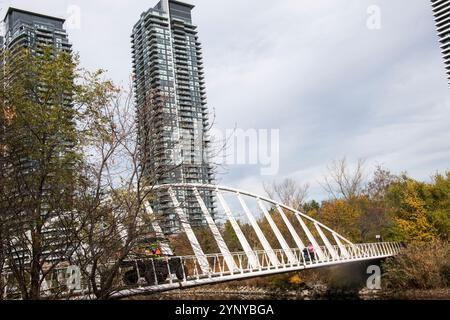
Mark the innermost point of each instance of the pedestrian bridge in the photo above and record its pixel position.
(293, 230)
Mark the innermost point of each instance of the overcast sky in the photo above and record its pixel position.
(311, 68)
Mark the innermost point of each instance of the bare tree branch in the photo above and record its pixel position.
(341, 182)
(288, 192)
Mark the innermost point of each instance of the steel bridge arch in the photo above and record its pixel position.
(320, 227)
(250, 194)
(206, 269)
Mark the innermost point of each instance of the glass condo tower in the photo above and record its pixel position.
(172, 113)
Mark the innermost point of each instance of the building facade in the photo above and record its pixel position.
(171, 105)
(29, 29)
(441, 12)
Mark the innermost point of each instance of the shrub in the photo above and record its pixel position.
(445, 274)
(422, 265)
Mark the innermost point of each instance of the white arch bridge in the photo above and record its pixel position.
(299, 230)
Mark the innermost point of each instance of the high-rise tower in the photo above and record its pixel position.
(35, 33)
(171, 107)
(29, 29)
(441, 11)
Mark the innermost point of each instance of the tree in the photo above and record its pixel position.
(341, 216)
(420, 210)
(341, 182)
(289, 192)
(38, 156)
(375, 219)
(231, 238)
(116, 187)
(73, 184)
(311, 206)
(438, 203)
(377, 188)
(409, 212)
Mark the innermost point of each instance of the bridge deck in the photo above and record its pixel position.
(218, 273)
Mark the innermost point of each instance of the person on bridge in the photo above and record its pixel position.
(156, 251)
(311, 251)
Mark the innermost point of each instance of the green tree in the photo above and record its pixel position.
(341, 216)
(44, 98)
(375, 219)
(230, 237)
(438, 204)
(412, 209)
(39, 154)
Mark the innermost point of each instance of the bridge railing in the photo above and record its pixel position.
(263, 260)
(259, 262)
